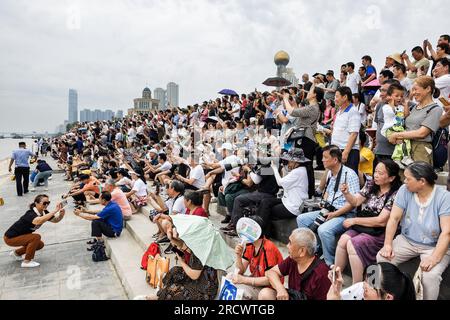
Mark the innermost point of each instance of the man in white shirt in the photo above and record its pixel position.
(236, 108)
(353, 78)
(346, 128)
(442, 77)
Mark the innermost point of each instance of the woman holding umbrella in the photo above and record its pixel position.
(196, 278)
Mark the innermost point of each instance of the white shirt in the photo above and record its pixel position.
(345, 124)
(140, 187)
(443, 84)
(295, 186)
(389, 118)
(352, 81)
(227, 176)
(237, 110)
(407, 83)
(362, 112)
(177, 207)
(198, 174)
(165, 166)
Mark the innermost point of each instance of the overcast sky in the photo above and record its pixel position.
(110, 50)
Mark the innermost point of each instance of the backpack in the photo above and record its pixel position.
(99, 252)
(152, 250)
(440, 147)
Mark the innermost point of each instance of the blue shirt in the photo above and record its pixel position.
(353, 187)
(112, 215)
(21, 157)
(422, 226)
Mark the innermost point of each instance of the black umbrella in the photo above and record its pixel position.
(277, 82)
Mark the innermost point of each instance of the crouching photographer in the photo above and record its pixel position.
(295, 186)
(328, 222)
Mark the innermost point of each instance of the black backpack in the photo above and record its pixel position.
(99, 252)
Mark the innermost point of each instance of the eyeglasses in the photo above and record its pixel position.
(46, 203)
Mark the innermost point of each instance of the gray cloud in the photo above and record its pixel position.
(204, 46)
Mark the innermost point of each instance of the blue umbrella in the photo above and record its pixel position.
(228, 92)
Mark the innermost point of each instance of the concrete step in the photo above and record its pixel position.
(126, 256)
(141, 229)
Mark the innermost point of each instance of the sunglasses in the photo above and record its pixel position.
(46, 203)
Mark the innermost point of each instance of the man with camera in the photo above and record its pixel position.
(328, 222)
(246, 204)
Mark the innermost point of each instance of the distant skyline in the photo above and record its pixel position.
(109, 51)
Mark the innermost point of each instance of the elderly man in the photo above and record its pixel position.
(118, 196)
(308, 275)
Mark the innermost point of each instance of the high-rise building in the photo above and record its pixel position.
(290, 75)
(73, 106)
(87, 115)
(119, 114)
(160, 94)
(173, 94)
(108, 115)
(84, 115)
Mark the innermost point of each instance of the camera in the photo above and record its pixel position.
(326, 209)
(231, 166)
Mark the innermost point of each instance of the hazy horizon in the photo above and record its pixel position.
(109, 52)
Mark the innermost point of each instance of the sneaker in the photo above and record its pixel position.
(93, 241)
(31, 264)
(46, 189)
(15, 256)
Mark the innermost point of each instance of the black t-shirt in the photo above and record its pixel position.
(268, 185)
(24, 225)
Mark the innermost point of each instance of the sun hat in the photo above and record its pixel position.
(295, 155)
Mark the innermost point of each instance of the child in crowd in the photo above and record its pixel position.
(394, 114)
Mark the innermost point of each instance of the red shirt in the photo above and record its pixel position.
(316, 286)
(198, 212)
(267, 257)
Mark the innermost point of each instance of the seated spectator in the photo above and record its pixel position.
(118, 196)
(365, 237)
(174, 205)
(393, 285)
(193, 201)
(124, 181)
(44, 171)
(162, 168)
(260, 256)
(424, 212)
(295, 186)
(308, 275)
(266, 188)
(88, 187)
(328, 223)
(138, 196)
(108, 222)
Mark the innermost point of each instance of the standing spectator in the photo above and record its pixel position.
(400, 75)
(422, 122)
(361, 107)
(332, 86)
(383, 148)
(371, 74)
(441, 74)
(21, 157)
(420, 65)
(308, 275)
(306, 83)
(44, 171)
(346, 128)
(353, 78)
(424, 212)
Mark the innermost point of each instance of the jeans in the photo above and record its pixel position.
(328, 232)
(22, 172)
(42, 175)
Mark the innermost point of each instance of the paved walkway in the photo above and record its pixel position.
(67, 270)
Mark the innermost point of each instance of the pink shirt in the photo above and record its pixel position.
(120, 198)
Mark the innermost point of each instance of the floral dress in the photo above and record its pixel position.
(178, 285)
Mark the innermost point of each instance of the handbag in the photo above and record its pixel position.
(157, 269)
(373, 231)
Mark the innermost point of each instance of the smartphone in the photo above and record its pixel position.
(444, 101)
(178, 251)
(333, 277)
